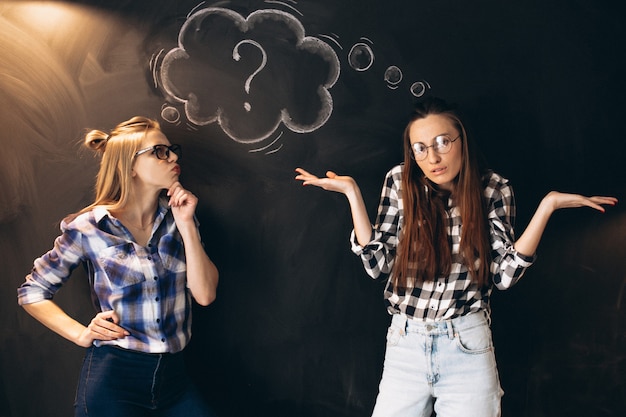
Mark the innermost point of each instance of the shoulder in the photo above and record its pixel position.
(394, 175)
(497, 190)
(495, 183)
(84, 221)
(396, 170)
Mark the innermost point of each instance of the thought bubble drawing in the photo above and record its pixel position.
(361, 56)
(393, 76)
(170, 114)
(418, 88)
(250, 75)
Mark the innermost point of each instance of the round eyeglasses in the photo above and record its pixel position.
(161, 151)
(442, 144)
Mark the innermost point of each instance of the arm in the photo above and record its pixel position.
(347, 186)
(49, 273)
(202, 274)
(102, 327)
(529, 241)
(375, 245)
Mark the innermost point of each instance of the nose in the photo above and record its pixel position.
(433, 156)
(173, 157)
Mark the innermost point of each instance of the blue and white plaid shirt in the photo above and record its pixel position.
(146, 286)
(454, 295)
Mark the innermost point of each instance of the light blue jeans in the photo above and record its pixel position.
(448, 365)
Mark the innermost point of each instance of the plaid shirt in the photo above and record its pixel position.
(454, 295)
(146, 286)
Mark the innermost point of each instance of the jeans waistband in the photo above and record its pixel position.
(121, 352)
(441, 327)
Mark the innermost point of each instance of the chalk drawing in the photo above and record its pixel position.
(237, 57)
(418, 88)
(219, 53)
(361, 56)
(393, 76)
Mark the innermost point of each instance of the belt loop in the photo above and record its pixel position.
(450, 329)
(405, 324)
(488, 316)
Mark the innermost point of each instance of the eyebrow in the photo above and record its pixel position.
(436, 136)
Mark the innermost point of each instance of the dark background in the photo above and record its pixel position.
(298, 329)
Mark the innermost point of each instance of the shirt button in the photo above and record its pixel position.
(156, 278)
(149, 258)
(156, 299)
(158, 320)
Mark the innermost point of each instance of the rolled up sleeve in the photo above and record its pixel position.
(52, 270)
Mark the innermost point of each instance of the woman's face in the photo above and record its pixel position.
(154, 172)
(440, 168)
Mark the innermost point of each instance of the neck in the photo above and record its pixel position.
(139, 213)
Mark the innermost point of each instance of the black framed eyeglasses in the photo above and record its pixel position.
(161, 151)
(442, 144)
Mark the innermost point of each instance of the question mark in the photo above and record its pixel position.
(237, 57)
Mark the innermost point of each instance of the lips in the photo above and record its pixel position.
(438, 171)
(176, 169)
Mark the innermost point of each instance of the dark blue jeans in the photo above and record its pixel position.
(120, 383)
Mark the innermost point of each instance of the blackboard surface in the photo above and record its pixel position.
(254, 89)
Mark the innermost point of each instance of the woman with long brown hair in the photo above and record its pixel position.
(140, 244)
(443, 239)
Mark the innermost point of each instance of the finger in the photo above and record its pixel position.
(598, 202)
(595, 204)
(101, 332)
(179, 196)
(307, 178)
(331, 174)
(174, 188)
(604, 200)
(108, 320)
(187, 199)
(304, 174)
(109, 315)
(176, 197)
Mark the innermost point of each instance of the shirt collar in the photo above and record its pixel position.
(100, 212)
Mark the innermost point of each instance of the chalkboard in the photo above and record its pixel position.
(254, 89)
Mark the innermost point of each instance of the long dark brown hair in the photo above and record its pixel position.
(424, 250)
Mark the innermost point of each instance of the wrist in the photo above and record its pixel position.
(353, 192)
(548, 204)
(187, 229)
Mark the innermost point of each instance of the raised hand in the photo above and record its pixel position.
(347, 186)
(557, 200)
(529, 240)
(332, 182)
(182, 202)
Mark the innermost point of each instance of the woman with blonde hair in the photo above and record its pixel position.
(443, 239)
(140, 244)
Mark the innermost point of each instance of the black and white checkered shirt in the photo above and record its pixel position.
(453, 295)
